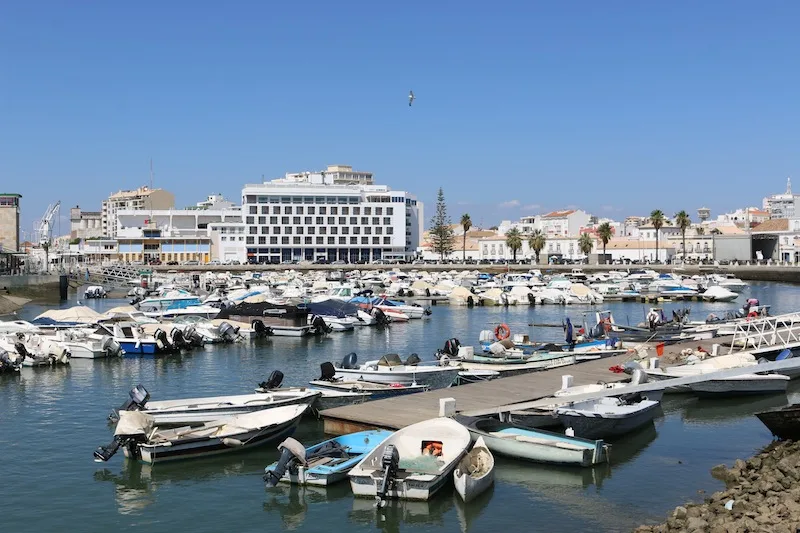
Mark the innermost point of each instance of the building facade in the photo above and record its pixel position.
(85, 224)
(9, 221)
(143, 198)
(782, 205)
(336, 214)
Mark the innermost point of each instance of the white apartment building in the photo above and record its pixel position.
(565, 223)
(227, 241)
(139, 199)
(335, 214)
(172, 234)
(782, 205)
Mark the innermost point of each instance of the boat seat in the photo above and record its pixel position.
(536, 440)
(500, 435)
(319, 461)
(569, 446)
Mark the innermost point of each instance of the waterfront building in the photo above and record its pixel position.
(85, 224)
(9, 221)
(643, 251)
(565, 223)
(335, 214)
(747, 217)
(471, 250)
(143, 198)
(782, 205)
(175, 234)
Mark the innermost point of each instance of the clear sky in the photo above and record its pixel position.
(618, 107)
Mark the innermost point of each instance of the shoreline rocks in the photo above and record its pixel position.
(762, 494)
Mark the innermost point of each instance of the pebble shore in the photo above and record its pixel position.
(762, 494)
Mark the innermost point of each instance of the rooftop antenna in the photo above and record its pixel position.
(150, 220)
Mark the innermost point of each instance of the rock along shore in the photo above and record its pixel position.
(762, 495)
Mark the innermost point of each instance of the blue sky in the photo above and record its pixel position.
(616, 107)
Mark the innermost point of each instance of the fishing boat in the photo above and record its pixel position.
(321, 464)
(391, 369)
(529, 444)
(141, 438)
(475, 472)
(783, 423)
(607, 417)
(412, 464)
(376, 391)
(196, 411)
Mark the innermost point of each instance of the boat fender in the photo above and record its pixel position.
(502, 332)
(232, 443)
(752, 314)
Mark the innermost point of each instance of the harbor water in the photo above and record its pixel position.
(52, 419)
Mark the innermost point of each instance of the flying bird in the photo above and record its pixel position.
(411, 98)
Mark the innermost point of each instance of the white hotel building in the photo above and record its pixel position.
(335, 214)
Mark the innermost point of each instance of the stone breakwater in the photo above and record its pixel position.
(762, 494)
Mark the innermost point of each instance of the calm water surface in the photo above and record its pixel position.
(52, 419)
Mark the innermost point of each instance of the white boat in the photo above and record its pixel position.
(412, 464)
(475, 472)
(390, 369)
(718, 293)
(710, 364)
(94, 291)
(141, 438)
(86, 345)
(195, 411)
(607, 417)
(742, 385)
(639, 377)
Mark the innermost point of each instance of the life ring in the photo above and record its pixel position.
(752, 314)
(502, 332)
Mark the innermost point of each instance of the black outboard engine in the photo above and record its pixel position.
(531, 299)
(389, 462)
(178, 340)
(293, 454)
(261, 330)
(273, 381)
(126, 434)
(380, 317)
(161, 335)
(428, 311)
(138, 398)
(5, 362)
(350, 361)
(228, 332)
(412, 360)
(450, 348)
(22, 351)
(470, 301)
(327, 371)
(320, 327)
(194, 337)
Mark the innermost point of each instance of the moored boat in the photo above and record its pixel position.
(741, 385)
(607, 417)
(783, 423)
(475, 471)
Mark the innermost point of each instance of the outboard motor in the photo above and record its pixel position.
(138, 398)
(638, 377)
(5, 362)
(380, 317)
(193, 337)
(327, 371)
(631, 366)
(273, 381)
(112, 347)
(428, 311)
(350, 361)
(22, 351)
(389, 462)
(178, 340)
(412, 360)
(161, 336)
(228, 332)
(531, 299)
(293, 454)
(129, 431)
(319, 325)
(451, 347)
(470, 301)
(260, 329)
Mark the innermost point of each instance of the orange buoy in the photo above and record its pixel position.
(502, 332)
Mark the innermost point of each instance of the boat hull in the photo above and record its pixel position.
(440, 378)
(783, 423)
(589, 425)
(753, 385)
(470, 486)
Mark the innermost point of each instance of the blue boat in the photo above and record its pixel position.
(134, 342)
(322, 464)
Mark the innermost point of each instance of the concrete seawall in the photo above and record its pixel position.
(35, 286)
(787, 274)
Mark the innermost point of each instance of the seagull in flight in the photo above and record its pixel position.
(411, 98)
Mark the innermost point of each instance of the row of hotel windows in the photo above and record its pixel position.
(300, 210)
(322, 230)
(319, 240)
(321, 220)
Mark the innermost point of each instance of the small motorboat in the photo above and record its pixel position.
(607, 417)
(783, 423)
(391, 369)
(94, 291)
(529, 444)
(475, 472)
(717, 293)
(141, 438)
(638, 377)
(741, 385)
(196, 411)
(328, 380)
(322, 464)
(412, 464)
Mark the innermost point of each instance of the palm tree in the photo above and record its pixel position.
(683, 221)
(657, 219)
(466, 223)
(514, 241)
(536, 241)
(585, 244)
(604, 233)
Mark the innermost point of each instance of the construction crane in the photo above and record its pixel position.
(43, 229)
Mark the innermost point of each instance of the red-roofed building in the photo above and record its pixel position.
(564, 223)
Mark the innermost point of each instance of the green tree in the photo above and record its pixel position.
(657, 219)
(514, 241)
(604, 233)
(536, 241)
(466, 223)
(683, 222)
(441, 233)
(585, 244)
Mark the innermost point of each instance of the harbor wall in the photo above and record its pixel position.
(35, 286)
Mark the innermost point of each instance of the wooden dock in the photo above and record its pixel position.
(395, 413)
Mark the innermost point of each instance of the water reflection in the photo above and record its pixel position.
(468, 513)
(291, 502)
(399, 512)
(713, 411)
